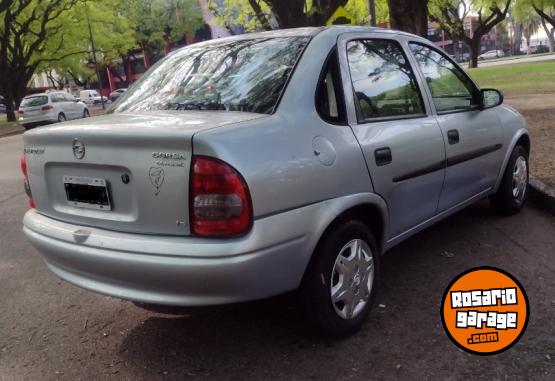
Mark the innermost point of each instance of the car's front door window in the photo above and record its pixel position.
(451, 89)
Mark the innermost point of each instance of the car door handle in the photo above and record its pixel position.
(453, 136)
(383, 156)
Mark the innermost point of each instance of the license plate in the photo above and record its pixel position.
(86, 192)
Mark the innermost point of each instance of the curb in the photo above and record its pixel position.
(11, 129)
(542, 195)
(11, 133)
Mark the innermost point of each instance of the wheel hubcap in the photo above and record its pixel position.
(352, 279)
(520, 178)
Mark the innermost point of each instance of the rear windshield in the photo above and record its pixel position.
(244, 75)
(34, 101)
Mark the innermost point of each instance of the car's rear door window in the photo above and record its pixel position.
(384, 83)
(450, 87)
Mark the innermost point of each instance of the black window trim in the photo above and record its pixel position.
(456, 65)
(360, 119)
(342, 119)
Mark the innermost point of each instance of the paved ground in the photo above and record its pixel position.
(50, 330)
(517, 59)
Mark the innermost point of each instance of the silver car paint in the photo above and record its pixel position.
(302, 174)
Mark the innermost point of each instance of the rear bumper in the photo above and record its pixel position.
(170, 270)
(44, 118)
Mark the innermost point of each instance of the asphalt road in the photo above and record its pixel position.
(51, 330)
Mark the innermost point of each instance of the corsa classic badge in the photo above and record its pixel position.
(78, 149)
(169, 159)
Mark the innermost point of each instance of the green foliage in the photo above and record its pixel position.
(241, 12)
(158, 21)
(359, 9)
(70, 49)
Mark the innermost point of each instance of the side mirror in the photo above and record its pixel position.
(490, 98)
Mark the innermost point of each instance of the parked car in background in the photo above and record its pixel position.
(50, 107)
(490, 54)
(116, 94)
(3, 108)
(463, 57)
(91, 97)
(295, 167)
(536, 49)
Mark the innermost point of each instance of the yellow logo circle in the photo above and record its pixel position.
(485, 310)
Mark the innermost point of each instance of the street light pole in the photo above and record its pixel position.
(372, 8)
(94, 57)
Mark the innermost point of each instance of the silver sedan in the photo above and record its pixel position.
(250, 166)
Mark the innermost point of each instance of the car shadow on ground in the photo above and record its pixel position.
(271, 333)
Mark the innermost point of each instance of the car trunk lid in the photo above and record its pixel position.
(141, 161)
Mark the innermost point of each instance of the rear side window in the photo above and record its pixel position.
(57, 98)
(451, 89)
(329, 96)
(34, 101)
(384, 83)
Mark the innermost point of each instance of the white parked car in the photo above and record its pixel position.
(491, 54)
(51, 107)
(91, 97)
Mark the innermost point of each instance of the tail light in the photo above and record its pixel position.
(20, 112)
(26, 181)
(47, 108)
(220, 200)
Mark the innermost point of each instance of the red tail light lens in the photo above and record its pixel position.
(23, 163)
(26, 184)
(220, 201)
(47, 108)
(20, 112)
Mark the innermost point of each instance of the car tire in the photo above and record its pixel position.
(333, 270)
(512, 193)
(86, 113)
(61, 117)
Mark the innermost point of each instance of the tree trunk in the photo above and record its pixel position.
(550, 35)
(517, 38)
(409, 16)
(10, 113)
(474, 49)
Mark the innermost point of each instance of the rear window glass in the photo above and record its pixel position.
(34, 101)
(237, 75)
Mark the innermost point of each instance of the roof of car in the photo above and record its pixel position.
(38, 94)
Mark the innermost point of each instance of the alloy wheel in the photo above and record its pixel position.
(520, 178)
(352, 279)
